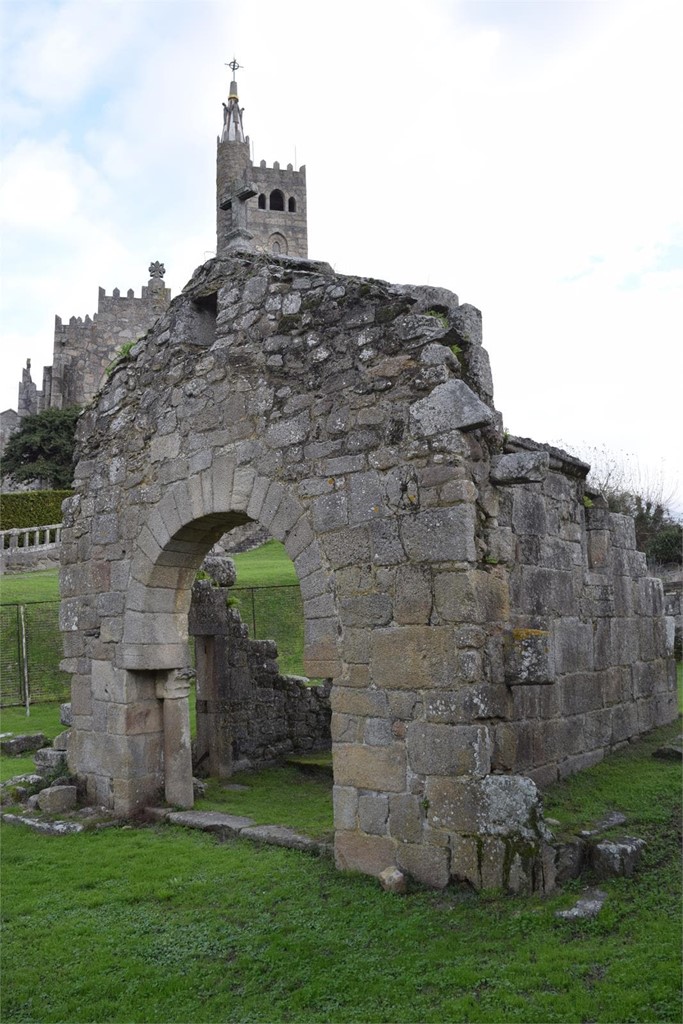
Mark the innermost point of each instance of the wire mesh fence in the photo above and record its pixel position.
(275, 613)
(31, 644)
(30, 653)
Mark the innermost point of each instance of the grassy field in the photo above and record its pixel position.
(266, 566)
(267, 596)
(161, 925)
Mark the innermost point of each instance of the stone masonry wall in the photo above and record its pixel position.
(248, 714)
(479, 622)
(85, 347)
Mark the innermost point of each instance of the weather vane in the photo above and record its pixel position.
(233, 65)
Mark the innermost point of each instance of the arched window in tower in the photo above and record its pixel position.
(277, 200)
(277, 244)
(291, 205)
(262, 201)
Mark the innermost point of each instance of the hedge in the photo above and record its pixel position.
(31, 508)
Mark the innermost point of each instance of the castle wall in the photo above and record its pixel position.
(84, 348)
(483, 625)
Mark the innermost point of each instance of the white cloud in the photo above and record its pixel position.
(523, 155)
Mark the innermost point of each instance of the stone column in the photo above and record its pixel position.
(174, 690)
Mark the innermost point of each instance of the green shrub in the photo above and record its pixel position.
(31, 508)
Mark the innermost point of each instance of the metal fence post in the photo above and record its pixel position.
(23, 660)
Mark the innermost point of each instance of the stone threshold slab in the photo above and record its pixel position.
(233, 825)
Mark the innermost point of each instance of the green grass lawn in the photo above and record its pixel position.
(162, 925)
(272, 610)
(266, 566)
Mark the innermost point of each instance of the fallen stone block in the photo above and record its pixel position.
(57, 799)
(211, 821)
(588, 906)
(47, 828)
(393, 880)
(22, 744)
(615, 858)
(18, 789)
(48, 759)
(65, 714)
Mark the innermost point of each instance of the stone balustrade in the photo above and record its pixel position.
(32, 547)
(31, 537)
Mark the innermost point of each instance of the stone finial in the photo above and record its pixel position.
(157, 270)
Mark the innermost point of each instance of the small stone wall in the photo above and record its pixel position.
(248, 714)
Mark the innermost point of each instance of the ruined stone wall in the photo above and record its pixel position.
(461, 596)
(248, 713)
(586, 660)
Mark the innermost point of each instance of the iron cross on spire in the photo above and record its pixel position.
(233, 65)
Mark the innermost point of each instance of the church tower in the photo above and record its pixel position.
(262, 208)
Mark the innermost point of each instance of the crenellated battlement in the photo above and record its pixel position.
(84, 347)
(299, 175)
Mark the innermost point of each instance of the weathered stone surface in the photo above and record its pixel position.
(57, 799)
(393, 880)
(22, 744)
(570, 860)
(48, 759)
(354, 851)
(529, 656)
(221, 570)
(370, 767)
(448, 749)
(279, 835)
(211, 821)
(440, 535)
(429, 865)
(66, 714)
(413, 657)
(520, 467)
(613, 858)
(61, 741)
(585, 908)
(451, 406)
(46, 828)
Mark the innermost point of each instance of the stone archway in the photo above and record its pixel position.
(468, 607)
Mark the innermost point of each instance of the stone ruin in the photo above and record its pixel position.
(488, 627)
(248, 713)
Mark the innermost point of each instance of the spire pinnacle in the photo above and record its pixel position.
(233, 129)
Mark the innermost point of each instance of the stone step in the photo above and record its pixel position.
(232, 825)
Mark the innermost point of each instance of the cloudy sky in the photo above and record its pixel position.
(525, 154)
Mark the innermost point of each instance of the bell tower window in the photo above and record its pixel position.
(291, 205)
(277, 200)
(262, 201)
